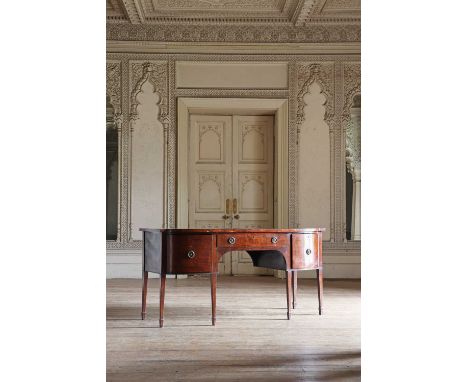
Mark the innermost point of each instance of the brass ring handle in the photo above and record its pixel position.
(191, 254)
(231, 240)
(308, 251)
(274, 239)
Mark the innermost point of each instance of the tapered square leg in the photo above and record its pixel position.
(294, 289)
(289, 292)
(162, 291)
(320, 289)
(213, 298)
(144, 291)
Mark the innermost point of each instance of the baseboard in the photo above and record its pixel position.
(126, 263)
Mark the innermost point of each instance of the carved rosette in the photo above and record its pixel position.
(156, 73)
(114, 89)
(324, 75)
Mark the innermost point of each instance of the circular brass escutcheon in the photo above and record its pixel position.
(191, 254)
(308, 251)
(274, 239)
(231, 240)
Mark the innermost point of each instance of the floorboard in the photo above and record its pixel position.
(252, 340)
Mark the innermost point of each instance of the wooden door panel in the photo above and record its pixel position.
(252, 181)
(210, 174)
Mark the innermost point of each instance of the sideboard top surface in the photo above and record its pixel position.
(233, 231)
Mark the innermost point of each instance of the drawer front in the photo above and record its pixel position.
(253, 240)
(305, 251)
(189, 253)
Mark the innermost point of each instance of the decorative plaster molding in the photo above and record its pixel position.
(321, 33)
(156, 74)
(232, 48)
(113, 85)
(324, 75)
(303, 11)
(133, 10)
(351, 86)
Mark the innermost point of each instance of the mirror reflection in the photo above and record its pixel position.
(112, 181)
(353, 171)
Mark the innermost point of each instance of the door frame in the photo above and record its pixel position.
(231, 106)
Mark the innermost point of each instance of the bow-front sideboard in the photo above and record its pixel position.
(189, 251)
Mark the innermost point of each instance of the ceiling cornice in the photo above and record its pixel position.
(285, 12)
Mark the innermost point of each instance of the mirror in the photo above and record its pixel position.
(353, 171)
(112, 173)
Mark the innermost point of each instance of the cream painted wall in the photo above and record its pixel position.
(147, 164)
(314, 164)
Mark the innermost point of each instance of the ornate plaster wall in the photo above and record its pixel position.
(318, 89)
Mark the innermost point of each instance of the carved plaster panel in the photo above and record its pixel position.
(156, 74)
(324, 75)
(351, 85)
(113, 85)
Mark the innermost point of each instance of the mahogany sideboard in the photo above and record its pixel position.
(189, 251)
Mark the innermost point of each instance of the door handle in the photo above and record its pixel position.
(228, 209)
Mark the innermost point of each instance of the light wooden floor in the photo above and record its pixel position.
(252, 340)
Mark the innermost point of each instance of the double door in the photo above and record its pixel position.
(231, 178)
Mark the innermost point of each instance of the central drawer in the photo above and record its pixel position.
(189, 253)
(252, 240)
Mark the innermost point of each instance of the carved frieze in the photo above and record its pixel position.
(321, 33)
